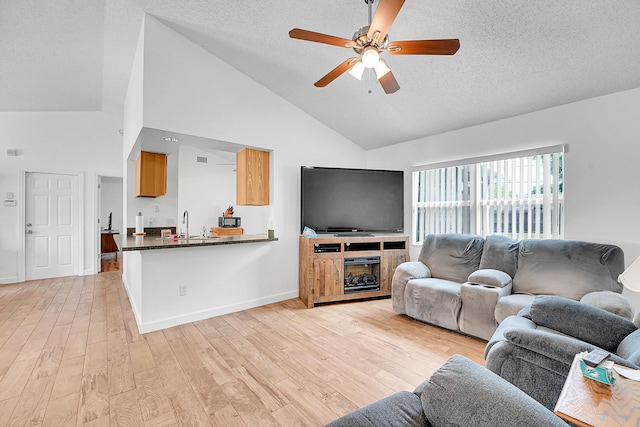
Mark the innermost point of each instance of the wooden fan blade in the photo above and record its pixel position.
(311, 36)
(389, 83)
(386, 13)
(336, 72)
(424, 47)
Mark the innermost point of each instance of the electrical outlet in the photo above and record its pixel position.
(157, 208)
(183, 290)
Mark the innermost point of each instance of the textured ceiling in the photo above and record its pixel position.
(515, 57)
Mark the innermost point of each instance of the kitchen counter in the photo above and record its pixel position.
(196, 279)
(141, 243)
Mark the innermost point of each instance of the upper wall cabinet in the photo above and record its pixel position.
(252, 182)
(151, 174)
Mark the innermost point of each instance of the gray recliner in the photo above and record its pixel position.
(534, 349)
(429, 289)
(459, 393)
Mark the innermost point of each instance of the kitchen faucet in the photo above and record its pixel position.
(185, 220)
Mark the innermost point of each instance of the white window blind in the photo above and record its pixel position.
(519, 197)
(443, 200)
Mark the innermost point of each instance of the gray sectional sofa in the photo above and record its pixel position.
(470, 284)
(460, 393)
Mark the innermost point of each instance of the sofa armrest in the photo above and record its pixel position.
(511, 322)
(582, 321)
(405, 272)
(553, 346)
(490, 277)
(478, 307)
(462, 391)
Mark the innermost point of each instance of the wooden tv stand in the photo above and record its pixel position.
(322, 265)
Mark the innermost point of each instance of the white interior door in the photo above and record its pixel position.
(51, 221)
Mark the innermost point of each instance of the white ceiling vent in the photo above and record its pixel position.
(201, 159)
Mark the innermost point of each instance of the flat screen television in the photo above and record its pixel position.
(345, 201)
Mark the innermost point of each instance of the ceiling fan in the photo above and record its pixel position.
(369, 41)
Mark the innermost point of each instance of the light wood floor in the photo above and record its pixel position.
(111, 262)
(70, 354)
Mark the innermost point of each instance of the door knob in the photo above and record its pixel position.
(29, 225)
(29, 231)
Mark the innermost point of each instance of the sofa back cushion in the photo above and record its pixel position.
(451, 256)
(500, 253)
(567, 268)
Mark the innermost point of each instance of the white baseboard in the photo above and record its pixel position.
(7, 280)
(169, 322)
(134, 308)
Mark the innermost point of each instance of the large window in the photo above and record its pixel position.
(518, 195)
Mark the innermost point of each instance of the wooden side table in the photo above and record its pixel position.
(108, 244)
(586, 402)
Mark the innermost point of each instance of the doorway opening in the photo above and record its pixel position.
(110, 223)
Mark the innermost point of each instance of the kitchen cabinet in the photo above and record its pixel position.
(252, 177)
(151, 174)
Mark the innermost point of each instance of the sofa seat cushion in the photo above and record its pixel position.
(451, 256)
(612, 302)
(567, 268)
(462, 393)
(511, 305)
(435, 301)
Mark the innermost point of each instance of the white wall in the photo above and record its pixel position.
(601, 173)
(71, 142)
(189, 91)
(205, 189)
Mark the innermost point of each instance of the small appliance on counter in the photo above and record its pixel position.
(139, 225)
(229, 221)
(227, 231)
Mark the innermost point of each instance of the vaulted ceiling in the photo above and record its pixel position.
(515, 57)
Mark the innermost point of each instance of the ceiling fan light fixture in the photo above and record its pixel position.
(357, 70)
(369, 41)
(370, 57)
(381, 69)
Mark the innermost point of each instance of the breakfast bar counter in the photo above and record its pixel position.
(141, 243)
(173, 281)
